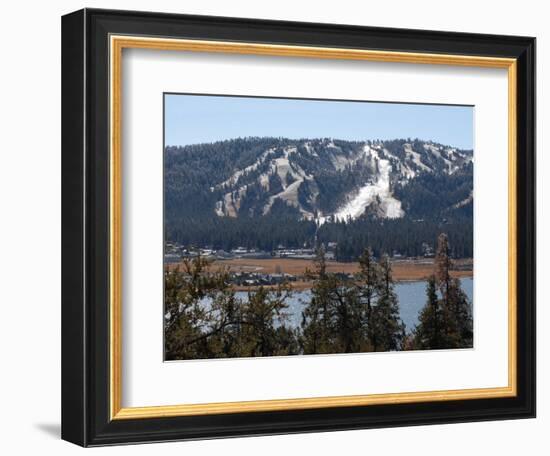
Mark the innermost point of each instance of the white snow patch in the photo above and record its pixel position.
(339, 162)
(310, 150)
(283, 168)
(451, 154)
(219, 209)
(231, 202)
(368, 193)
(415, 157)
(465, 201)
(289, 195)
(230, 205)
(435, 151)
(404, 169)
(234, 179)
(264, 181)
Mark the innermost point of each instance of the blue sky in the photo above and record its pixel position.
(192, 119)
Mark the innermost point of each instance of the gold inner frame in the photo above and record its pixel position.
(117, 44)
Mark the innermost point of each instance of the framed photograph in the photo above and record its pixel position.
(279, 227)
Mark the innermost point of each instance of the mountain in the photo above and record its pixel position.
(314, 183)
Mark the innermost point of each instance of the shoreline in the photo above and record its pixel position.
(404, 270)
(301, 286)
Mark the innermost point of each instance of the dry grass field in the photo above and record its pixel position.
(403, 270)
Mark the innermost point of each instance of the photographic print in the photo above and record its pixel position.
(307, 227)
(258, 201)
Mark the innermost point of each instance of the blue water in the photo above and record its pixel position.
(411, 295)
(412, 298)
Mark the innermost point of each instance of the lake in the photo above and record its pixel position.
(411, 295)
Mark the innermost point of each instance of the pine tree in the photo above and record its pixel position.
(205, 319)
(348, 321)
(443, 266)
(317, 315)
(445, 322)
(386, 327)
(461, 313)
(259, 316)
(334, 320)
(432, 330)
(369, 279)
(189, 325)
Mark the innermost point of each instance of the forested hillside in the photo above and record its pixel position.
(261, 193)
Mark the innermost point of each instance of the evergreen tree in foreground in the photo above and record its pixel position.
(369, 287)
(260, 334)
(351, 316)
(317, 315)
(386, 328)
(205, 319)
(446, 319)
(333, 320)
(431, 331)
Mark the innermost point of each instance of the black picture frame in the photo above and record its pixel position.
(85, 228)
